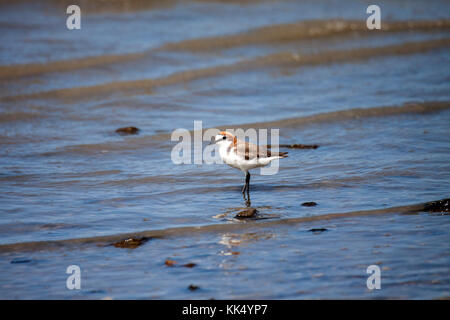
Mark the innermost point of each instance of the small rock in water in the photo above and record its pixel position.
(192, 287)
(127, 130)
(131, 243)
(318, 230)
(189, 265)
(309, 204)
(247, 213)
(437, 206)
(296, 146)
(170, 263)
(301, 146)
(20, 260)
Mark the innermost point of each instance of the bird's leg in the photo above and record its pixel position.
(243, 190)
(247, 187)
(247, 183)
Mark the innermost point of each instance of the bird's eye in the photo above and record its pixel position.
(224, 138)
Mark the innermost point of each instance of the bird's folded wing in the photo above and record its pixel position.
(250, 151)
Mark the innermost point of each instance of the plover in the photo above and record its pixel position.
(244, 156)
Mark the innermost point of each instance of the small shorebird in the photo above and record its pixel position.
(244, 156)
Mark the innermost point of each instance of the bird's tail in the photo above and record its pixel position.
(282, 155)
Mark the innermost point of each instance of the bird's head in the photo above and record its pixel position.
(224, 138)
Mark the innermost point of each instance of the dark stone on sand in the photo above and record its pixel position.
(318, 230)
(127, 130)
(309, 204)
(299, 146)
(189, 265)
(193, 287)
(96, 292)
(20, 260)
(295, 146)
(437, 206)
(131, 243)
(247, 213)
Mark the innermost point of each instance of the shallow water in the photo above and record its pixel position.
(281, 262)
(376, 103)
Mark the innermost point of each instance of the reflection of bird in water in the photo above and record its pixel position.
(244, 156)
(231, 240)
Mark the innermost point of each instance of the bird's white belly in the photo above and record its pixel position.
(230, 159)
(238, 162)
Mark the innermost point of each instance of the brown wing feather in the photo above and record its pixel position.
(250, 151)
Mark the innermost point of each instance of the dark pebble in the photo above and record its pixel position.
(300, 146)
(295, 146)
(193, 287)
(127, 130)
(131, 243)
(318, 230)
(189, 265)
(247, 213)
(437, 206)
(21, 260)
(96, 291)
(309, 204)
